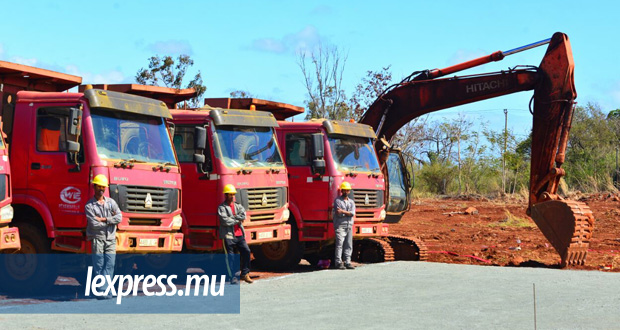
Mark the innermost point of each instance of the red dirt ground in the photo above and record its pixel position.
(493, 233)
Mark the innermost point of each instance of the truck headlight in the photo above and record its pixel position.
(6, 213)
(382, 215)
(177, 221)
(286, 214)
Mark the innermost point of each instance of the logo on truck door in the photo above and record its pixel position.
(71, 195)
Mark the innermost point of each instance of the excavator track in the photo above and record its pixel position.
(408, 248)
(373, 250)
(568, 225)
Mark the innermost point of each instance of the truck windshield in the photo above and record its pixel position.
(353, 153)
(131, 137)
(248, 147)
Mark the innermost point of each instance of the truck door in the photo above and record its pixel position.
(398, 187)
(307, 191)
(200, 194)
(52, 176)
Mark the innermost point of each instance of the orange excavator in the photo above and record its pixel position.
(567, 224)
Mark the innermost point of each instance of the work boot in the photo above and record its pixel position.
(340, 266)
(349, 266)
(247, 278)
(234, 280)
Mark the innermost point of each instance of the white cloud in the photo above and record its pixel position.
(24, 61)
(171, 47)
(269, 45)
(109, 77)
(304, 40)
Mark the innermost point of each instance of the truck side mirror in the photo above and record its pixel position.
(171, 129)
(318, 151)
(318, 166)
(73, 147)
(199, 159)
(200, 138)
(75, 121)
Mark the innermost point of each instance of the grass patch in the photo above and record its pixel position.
(513, 221)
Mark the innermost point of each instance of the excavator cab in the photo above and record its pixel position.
(398, 186)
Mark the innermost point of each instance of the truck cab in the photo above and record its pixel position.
(321, 154)
(238, 147)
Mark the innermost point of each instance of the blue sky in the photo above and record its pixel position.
(252, 45)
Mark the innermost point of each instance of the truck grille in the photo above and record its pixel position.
(144, 222)
(262, 217)
(134, 199)
(364, 215)
(261, 199)
(367, 198)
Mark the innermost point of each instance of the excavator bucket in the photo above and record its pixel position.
(568, 227)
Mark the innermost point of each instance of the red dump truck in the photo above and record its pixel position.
(58, 141)
(9, 236)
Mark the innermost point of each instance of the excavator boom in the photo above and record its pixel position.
(566, 224)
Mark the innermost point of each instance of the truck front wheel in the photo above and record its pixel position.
(279, 255)
(30, 270)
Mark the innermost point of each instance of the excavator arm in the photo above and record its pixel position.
(566, 224)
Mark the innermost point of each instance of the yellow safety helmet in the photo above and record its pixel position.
(345, 186)
(230, 189)
(100, 180)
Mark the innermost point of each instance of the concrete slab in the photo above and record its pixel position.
(397, 295)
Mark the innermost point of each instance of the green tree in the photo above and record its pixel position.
(590, 156)
(241, 94)
(368, 90)
(516, 166)
(170, 72)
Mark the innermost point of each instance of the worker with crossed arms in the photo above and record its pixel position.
(232, 215)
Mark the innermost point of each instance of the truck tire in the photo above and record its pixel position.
(279, 255)
(31, 270)
(158, 264)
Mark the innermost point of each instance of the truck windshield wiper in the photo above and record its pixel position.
(352, 168)
(128, 163)
(248, 163)
(163, 166)
(373, 172)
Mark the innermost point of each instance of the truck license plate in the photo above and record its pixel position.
(265, 234)
(366, 230)
(148, 242)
